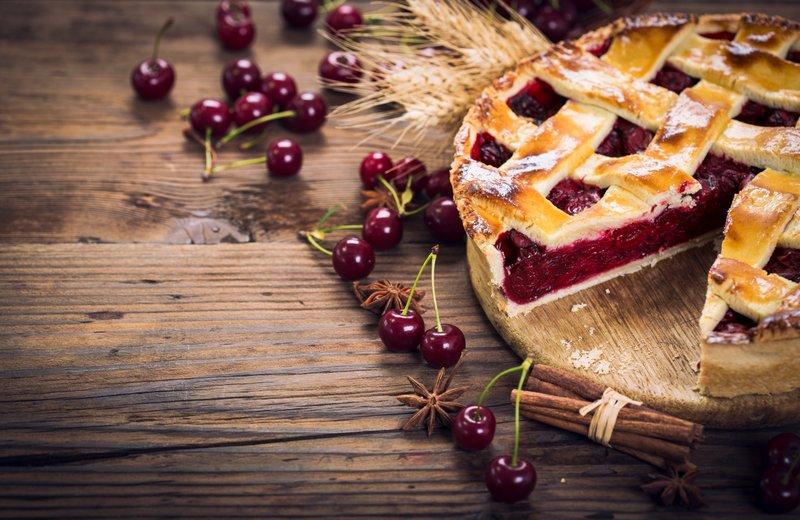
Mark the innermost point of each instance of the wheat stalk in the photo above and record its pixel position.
(425, 62)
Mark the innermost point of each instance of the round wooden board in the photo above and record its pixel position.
(637, 334)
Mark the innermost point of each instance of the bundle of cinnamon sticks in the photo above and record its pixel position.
(554, 397)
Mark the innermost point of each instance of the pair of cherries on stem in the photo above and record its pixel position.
(235, 27)
(779, 486)
(508, 478)
(404, 330)
(299, 14)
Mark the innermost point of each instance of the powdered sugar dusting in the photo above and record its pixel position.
(578, 306)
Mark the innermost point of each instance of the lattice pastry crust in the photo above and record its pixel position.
(687, 127)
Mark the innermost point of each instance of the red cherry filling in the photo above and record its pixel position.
(533, 270)
(673, 79)
(785, 262)
(573, 196)
(754, 113)
(734, 323)
(537, 101)
(719, 35)
(625, 138)
(793, 56)
(601, 48)
(488, 151)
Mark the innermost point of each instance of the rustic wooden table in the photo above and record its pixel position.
(147, 373)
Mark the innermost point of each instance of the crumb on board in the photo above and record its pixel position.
(578, 306)
(591, 331)
(563, 480)
(565, 343)
(608, 291)
(590, 360)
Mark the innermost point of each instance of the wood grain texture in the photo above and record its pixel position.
(234, 380)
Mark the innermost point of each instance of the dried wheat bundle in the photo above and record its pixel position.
(424, 63)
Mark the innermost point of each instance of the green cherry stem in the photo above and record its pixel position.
(255, 122)
(435, 253)
(209, 162)
(526, 366)
(184, 113)
(431, 256)
(313, 242)
(161, 32)
(330, 5)
(785, 479)
(318, 233)
(491, 384)
(393, 192)
(236, 164)
(340, 228)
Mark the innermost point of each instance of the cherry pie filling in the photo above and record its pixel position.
(537, 101)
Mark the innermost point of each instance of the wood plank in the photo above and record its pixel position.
(167, 380)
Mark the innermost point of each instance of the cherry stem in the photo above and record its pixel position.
(526, 366)
(255, 122)
(330, 5)
(795, 460)
(209, 161)
(161, 32)
(435, 253)
(340, 228)
(418, 210)
(491, 384)
(184, 113)
(400, 208)
(314, 243)
(328, 214)
(431, 256)
(254, 141)
(236, 164)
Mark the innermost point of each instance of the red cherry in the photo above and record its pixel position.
(239, 76)
(473, 433)
(569, 10)
(210, 113)
(443, 221)
(439, 184)
(250, 107)
(383, 229)
(299, 13)
(442, 349)
(526, 8)
(344, 18)
(374, 164)
(279, 87)
(405, 168)
(401, 333)
(353, 258)
(552, 23)
(284, 158)
(233, 7)
(236, 32)
(340, 67)
(783, 449)
(311, 112)
(153, 78)
(777, 491)
(509, 483)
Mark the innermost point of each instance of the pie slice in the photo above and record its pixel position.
(600, 156)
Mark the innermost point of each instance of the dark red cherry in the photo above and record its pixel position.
(344, 18)
(236, 32)
(374, 164)
(569, 10)
(443, 221)
(442, 349)
(353, 258)
(299, 13)
(776, 492)
(340, 67)
(439, 184)
(473, 433)
(311, 112)
(552, 23)
(509, 483)
(383, 229)
(233, 7)
(783, 449)
(526, 8)
(406, 168)
(279, 87)
(210, 113)
(154, 78)
(251, 106)
(239, 76)
(284, 158)
(401, 333)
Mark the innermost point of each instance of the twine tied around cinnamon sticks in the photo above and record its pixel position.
(557, 397)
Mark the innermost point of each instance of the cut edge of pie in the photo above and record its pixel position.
(645, 130)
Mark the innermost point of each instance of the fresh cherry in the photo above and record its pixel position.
(340, 67)
(441, 346)
(210, 114)
(153, 78)
(250, 106)
(236, 31)
(439, 184)
(353, 258)
(443, 221)
(310, 112)
(778, 490)
(401, 332)
(508, 482)
(284, 159)
(552, 23)
(473, 428)
(279, 87)
(344, 18)
(373, 165)
(299, 13)
(383, 229)
(526, 8)
(233, 7)
(408, 167)
(239, 76)
(783, 449)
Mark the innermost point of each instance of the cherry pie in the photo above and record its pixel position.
(603, 155)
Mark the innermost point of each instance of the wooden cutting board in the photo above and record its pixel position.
(637, 334)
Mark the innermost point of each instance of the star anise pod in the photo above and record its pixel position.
(438, 402)
(378, 198)
(379, 297)
(676, 487)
